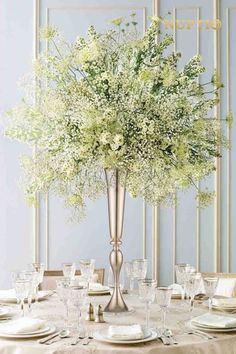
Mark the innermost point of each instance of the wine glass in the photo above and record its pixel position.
(193, 284)
(64, 293)
(87, 269)
(128, 266)
(39, 268)
(34, 279)
(210, 284)
(163, 296)
(69, 270)
(22, 288)
(147, 292)
(180, 271)
(78, 299)
(139, 268)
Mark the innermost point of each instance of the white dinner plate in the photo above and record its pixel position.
(11, 298)
(103, 291)
(4, 311)
(209, 329)
(102, 336)
(50, 330)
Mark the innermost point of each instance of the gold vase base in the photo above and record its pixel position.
(116, 303)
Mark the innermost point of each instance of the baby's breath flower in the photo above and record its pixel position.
(48, 33)
(114, 100)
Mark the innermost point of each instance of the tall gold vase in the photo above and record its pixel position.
(116, 205)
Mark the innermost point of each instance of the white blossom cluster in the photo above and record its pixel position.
(117, 101)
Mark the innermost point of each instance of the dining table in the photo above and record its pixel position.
(52, 310)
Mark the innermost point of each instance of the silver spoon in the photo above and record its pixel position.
(63, 334)
(77, 340)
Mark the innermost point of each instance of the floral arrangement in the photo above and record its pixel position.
(117, 101)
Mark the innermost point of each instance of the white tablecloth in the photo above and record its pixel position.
(53, 310)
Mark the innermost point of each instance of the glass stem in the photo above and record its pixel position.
(29, 303)
(191, 307)
(67, 314)
(163, 314)
(22, 307)
(210, 304)
(131, 284)
(183, 293)
(147, 314)
(79, 318)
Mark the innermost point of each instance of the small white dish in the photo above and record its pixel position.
(50, 330)
(102, 336)
(209, 329)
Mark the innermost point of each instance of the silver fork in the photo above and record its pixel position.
(89, 339)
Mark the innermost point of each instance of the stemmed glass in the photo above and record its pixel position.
(163, 296)
(180, 271)
(139, 268)
(22, 288)
(87, 269)
(193, 287)
(69, 270)
(39, 268)
(210, 284)
(64, 293)
(147, 292)
(129, 270)
(78, 298)
(33, 277)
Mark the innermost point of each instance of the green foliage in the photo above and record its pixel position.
(116, 101)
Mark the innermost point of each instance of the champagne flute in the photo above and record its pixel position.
(163, 296)
(64, 293)
(128, 266)
(193, 287)
(87, 269)
(180, 271)
(22, 287)
(69, 270)
(147, 292)
(39, 268)
(139, 268)
(210, 284)
(78, 299)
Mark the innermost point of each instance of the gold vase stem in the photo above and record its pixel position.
(116, 204)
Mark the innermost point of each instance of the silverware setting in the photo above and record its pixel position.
(44, 340)
(169, 334)
(77, 340)
(89, 339)
(65, 333)
(165, 340)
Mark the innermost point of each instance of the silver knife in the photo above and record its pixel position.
(44, 340)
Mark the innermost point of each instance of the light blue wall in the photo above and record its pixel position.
(185, 234)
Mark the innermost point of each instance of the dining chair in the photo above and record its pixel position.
(226, 284)
(50, 277)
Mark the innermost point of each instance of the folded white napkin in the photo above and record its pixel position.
(125, 332)
(97, 287)
(177, 289)
(226, 287)
(225, 302)
(9, 294)
(215, 321)
(22, 325)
